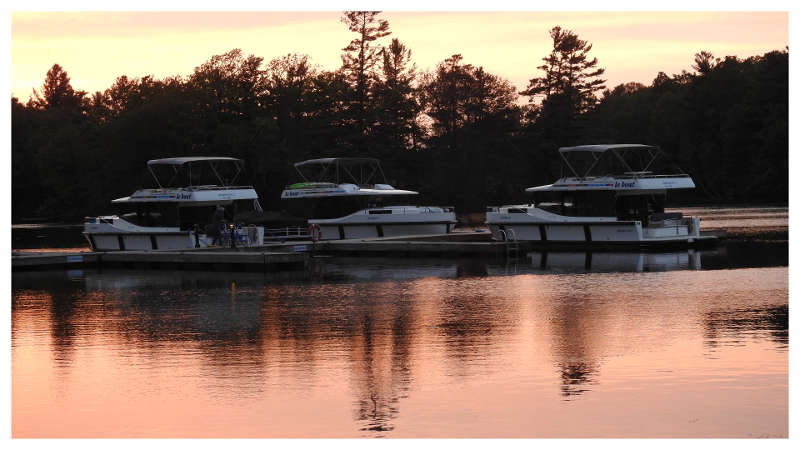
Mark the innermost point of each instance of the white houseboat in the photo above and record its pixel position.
(611, 196)
(347, 198)
(176, 214)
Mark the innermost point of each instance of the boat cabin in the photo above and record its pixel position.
(597, 203)
(617, 180)
(187, 192)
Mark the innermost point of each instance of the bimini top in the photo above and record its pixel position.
(605, 147)
(189, 159)
(191, 171)
(337, 160)
(359, 171)
(331, 177)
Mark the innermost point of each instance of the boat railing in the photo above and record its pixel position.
(404, 210)
(214, 188)
(670, 220)
(208, 187)
(628, 176)
(290, 232)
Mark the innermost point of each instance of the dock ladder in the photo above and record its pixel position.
(511, 243)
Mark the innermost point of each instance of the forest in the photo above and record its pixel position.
(457, 134)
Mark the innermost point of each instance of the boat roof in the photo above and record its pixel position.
(599, 148)
(181, 167)
(350, 160)
(188, 159)
(357, 170)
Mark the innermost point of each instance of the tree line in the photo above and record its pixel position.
(457, 133)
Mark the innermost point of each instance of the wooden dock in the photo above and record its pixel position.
(454, 244)
(220, 259)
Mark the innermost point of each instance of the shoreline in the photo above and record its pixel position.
(749, 234)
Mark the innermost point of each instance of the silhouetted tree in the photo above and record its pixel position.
(704, 62)
(568, 72)
(231, 85)
(567, 87)
(360, 57)
(26, 184)
(457, 95)
(397, 107)
(57, 92)
(289, 80)
(473, 113)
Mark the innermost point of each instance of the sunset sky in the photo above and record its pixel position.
(96, 47)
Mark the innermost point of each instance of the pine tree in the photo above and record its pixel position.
(57, 92)
(396, 102)
(360, 57)
(568, 72)
(568, 86)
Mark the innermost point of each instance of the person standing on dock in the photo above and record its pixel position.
(217, 223)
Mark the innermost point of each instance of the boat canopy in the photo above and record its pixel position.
(348, 161)
(190, 171)
(359, 171)
(189, 159)
(605, 147)
(607, 159)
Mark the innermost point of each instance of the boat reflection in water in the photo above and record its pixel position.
(614, 262)
(405, 348)
(365, 268)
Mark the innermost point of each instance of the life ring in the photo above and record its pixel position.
(315, 232)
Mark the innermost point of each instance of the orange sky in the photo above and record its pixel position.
(95, 47)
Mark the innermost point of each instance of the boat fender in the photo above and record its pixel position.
(315, 232)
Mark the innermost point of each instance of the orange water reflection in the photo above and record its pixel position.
(365, 351)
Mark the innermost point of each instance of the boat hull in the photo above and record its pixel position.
(114, 234)
(376, 230)
(594, 233)
(393, 221)
(143, 241)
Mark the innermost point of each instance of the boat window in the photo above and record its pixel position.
(150, 214)
(376, 202)
(198, 215)
(577, 203)
(639, 207)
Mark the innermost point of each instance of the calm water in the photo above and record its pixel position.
(682, 344)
